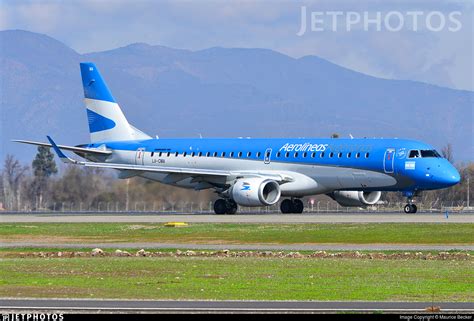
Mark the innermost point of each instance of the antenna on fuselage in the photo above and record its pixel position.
(350, 135)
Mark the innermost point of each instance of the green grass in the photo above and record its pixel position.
(238, 279)
(406, 233)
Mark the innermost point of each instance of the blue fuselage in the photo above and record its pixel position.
(355, 164)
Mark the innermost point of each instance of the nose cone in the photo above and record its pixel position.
(455, 177)
(449, 177)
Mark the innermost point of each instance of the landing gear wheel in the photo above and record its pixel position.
(231, 207)
(407, 209)
(220, 207)
(286, 206)
(298, 206)
(292, 206)
(410, 208)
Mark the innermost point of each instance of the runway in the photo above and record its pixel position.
(246, 247)
(15, 305)
(313, 218)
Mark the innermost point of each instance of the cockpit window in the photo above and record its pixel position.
(429, 153)
(414, 154)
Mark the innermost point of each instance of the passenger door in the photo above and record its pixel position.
(389, 160)
(267, 156)
(140, 156)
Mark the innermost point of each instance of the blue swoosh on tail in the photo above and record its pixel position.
(98, 122)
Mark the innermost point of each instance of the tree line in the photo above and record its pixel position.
(44, 186)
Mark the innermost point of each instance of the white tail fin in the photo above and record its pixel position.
(106, 120)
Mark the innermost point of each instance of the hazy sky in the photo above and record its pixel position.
(438, 50)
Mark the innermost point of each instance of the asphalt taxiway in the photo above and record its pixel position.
(310, 218)
(225, 306)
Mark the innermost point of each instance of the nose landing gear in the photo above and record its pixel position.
(410, 207)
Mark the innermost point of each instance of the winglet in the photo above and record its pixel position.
(59, 152)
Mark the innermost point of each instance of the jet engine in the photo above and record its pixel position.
(356, 198)
(255, 191)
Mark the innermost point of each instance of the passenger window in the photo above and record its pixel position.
(159, 154)
(249, 154)
(152, 153)
(339, 155)
(305, 154)
(366, 155)
(168, 154)
(414, 154)
(278, 154)
(313, 155)
(240, 154)
(208, 154)
(176, 154)
(200, 154)
(331, 154)
(231, 154)
(287, 154)
(214, 154)
(192, 154)
(258, 154)
(296, 154)
(321, 155)
(184, 154)
(223, 154)
(348, 155)
(357, 155)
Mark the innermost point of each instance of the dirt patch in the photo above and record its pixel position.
(139, 227)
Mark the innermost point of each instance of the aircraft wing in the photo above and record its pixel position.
(281, 178)
(78, 150)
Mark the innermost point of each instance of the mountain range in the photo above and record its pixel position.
(218, 92)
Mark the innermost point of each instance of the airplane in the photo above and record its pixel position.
(256, 172)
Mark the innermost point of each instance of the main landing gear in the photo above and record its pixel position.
(225, 206)
(292, 206)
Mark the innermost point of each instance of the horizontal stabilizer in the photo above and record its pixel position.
(78, 150)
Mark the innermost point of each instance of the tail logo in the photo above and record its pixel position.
(98, 122)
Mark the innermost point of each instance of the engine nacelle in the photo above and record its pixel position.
(355, 198)
(255, 191)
